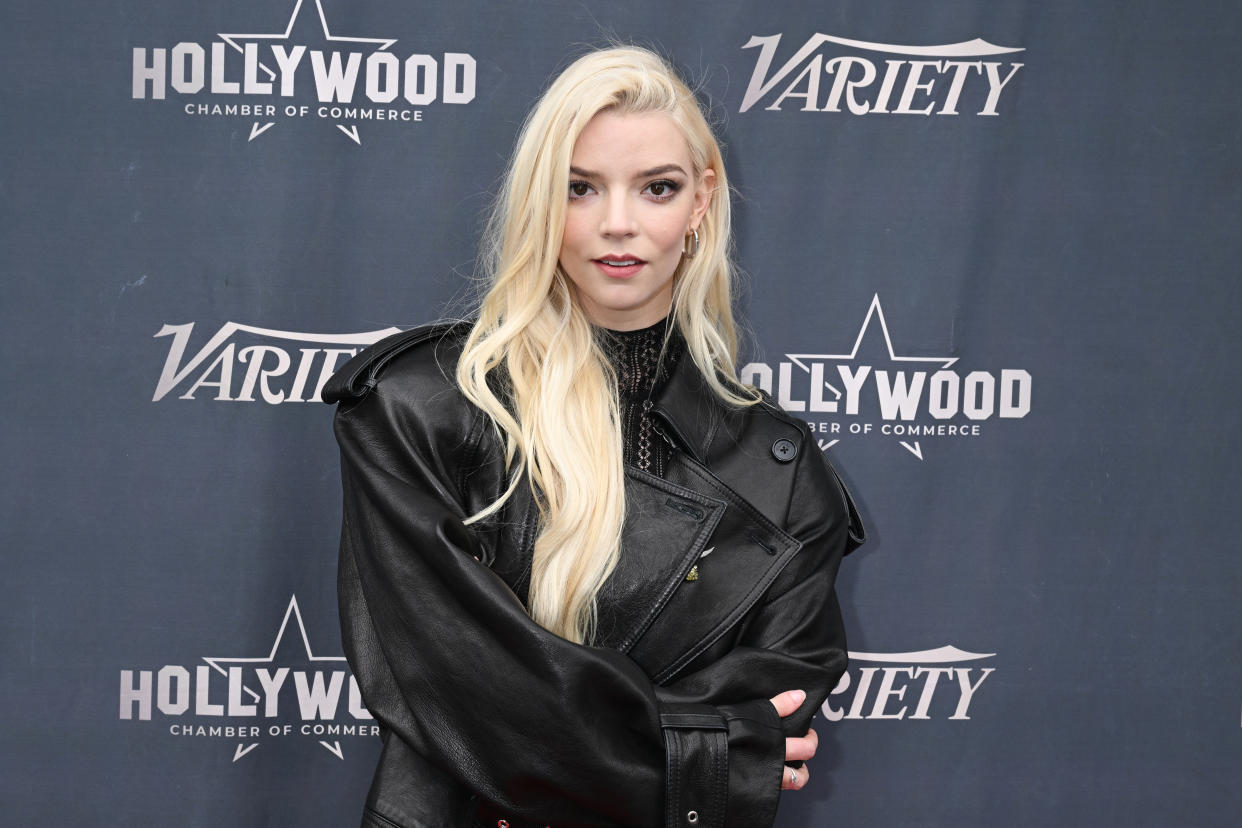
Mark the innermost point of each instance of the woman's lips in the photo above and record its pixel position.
(619, 267)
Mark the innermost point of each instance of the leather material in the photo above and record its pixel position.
(410, 792)
(696, 758)
(476, 699)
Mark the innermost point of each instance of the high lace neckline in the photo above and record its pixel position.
(637, 360)
(642, 363)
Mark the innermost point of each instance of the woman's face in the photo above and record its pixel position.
(633, 197)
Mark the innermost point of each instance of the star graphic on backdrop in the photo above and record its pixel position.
(296, 614)
(382, 43)
(874, 312)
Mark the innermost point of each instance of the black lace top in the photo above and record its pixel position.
(641, 371)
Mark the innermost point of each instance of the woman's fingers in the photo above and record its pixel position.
(795, 778)
(801, 748)
(796, 749)
(789, 701)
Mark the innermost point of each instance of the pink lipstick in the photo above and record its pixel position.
(619, 266)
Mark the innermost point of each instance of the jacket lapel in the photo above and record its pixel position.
(745, 551)
(725, 472)
(667, 527)
(734, 443)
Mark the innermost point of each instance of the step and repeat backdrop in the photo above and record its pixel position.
(991, 256)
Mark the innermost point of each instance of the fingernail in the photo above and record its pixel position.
(800, 696)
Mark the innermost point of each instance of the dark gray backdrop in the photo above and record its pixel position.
(1074, 566)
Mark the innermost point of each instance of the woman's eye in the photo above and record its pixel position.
(579, 189)
(663, 190)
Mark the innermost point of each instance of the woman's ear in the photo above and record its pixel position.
(704, 188)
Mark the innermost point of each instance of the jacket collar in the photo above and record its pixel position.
(687, 411)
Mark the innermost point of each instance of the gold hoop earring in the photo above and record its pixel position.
(692, 238)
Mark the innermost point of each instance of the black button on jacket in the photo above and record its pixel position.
(669, 712)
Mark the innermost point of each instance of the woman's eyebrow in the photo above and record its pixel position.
(660, 170)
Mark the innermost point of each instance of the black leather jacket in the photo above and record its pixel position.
(666, 721)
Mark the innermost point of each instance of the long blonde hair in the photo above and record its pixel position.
(559, 416)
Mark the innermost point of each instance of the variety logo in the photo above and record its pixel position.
(304, 71)
(865, 78)
(941, 683)
(245, 699)
(910, 397)
(242, 361)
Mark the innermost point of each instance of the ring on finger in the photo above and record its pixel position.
(793, 777)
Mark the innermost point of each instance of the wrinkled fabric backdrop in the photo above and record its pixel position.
(990, 252)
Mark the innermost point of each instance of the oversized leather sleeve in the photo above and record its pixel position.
(450, 663)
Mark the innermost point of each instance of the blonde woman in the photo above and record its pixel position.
(586, 575)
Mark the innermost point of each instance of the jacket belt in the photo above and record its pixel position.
(696, 747)
(696, 744)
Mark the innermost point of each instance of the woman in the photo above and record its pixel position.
(586, 575)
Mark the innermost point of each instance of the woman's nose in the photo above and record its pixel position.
(618, 218)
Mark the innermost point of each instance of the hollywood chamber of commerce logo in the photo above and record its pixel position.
(243, 363)
(930, 676)
(873, 390)
(879, 78)
(268, 77)
(299, 695)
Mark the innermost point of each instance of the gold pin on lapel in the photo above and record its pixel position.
(693, 574)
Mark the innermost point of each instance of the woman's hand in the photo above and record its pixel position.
(798, 748)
